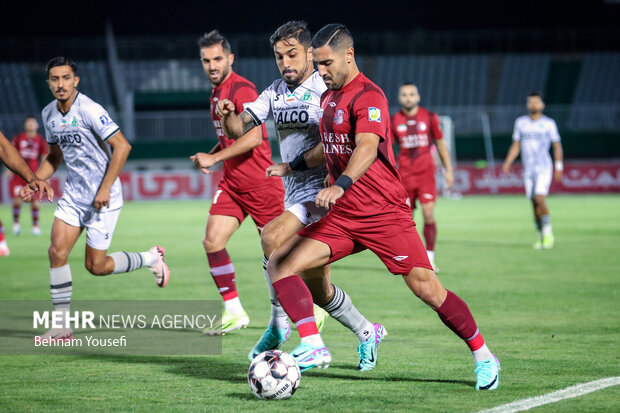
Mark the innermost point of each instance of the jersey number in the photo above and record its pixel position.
(217, 195)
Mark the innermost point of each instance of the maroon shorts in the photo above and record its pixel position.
(15, 185)
(422, 187)
(262, 205)
(391, 235)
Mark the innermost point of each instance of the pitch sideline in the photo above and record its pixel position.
(556, 396)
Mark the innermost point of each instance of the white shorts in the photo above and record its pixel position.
(537, 183)
(99, 225)
(307, 212)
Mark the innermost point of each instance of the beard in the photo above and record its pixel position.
(295, 81)
(224, 73)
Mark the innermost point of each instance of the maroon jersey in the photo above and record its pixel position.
(360, 107)
(415, 135)
(31, 149)
(245, 172)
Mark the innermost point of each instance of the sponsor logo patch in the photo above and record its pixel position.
(400, 257)
(421, 126)
(374, 114)
(332, 104)
(74, 121)
(104, 120)
(401, 128)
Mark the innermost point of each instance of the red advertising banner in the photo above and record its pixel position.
(578, 177)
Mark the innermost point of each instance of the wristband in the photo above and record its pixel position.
(299, 163)
(344, 182)
(559, 166)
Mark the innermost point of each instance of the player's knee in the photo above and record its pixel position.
(57, 255)
(425, 285)
(95, 267)
(211, 244)
(270, 239)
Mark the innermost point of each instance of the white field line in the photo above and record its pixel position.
(556, 396)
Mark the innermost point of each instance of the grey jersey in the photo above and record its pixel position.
(296, 117)
(82, 134)
(535, 137)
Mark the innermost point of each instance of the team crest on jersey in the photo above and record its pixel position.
(306, 96)
(401, 128)
(339, 117)
(74, 121)
(421, 126)
(374, 114)
(411, 122)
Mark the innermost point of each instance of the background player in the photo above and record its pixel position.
(367, 210)
(33, 148)
(244, 189)
(81, 132)
(13, 160)
(533, 134)
(294, 101)
(416, 129)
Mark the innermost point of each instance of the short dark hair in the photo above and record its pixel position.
(294, 29)
(30, 117)
(212, 38)
(535, 94)
(61, 61)
(334, 35)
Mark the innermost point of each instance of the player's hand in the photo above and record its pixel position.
(279, 169)
(449, 177)
(557, 176)
(40, 186)
(25, 193)
(224, 108)
(204, 161)
(102, 199)
(327, 182)
(506, 168)
(328, 196)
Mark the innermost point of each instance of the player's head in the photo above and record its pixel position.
(291, 47)
(408, 96)
(215, 56)
(535, 103)
(332, 50)
(62, 78)
(31, 126)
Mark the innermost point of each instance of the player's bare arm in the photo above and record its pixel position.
(13, 160)
(312, 158)
(363, 156)
(246, 143)
(234, 125)
(121, 149)
(558, 155)
(513, 152)
(444, 154)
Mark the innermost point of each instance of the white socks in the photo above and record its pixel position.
(61, 288)
(278, 319)
(314, 340)
(233, 306)
(131, 261)
(482, 354)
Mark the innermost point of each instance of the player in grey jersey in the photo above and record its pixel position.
(81, 132)
(533, 135)
(295, 101)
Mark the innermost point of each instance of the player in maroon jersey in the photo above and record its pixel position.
(244, 189)
(14, 162)
(368, 209)
(33, 148)
(416, 129)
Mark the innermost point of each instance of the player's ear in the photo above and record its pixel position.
(349, 55)
(309, 54)
(76, 81)
(231, 59)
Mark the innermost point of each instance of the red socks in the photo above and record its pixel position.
(456, 315)
(296, 300)
(430, 235)
(35, 216)
(223, 273)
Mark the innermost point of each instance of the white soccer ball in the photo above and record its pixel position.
(274, 375)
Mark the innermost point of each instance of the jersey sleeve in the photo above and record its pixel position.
(372, 115)
(436, 131)
(99, 121)
(516, 134)
(244, 96)
(49, 137)
(261, 107)
(554, 135)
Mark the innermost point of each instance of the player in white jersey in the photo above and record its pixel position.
(81, 132)
(294, 100)
(533, 135)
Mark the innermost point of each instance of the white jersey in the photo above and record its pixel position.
(535, 137)
(296, 117)
(82, 133)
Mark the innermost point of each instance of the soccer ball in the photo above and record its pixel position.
(274, 375)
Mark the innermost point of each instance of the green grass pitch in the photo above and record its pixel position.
(552, 317)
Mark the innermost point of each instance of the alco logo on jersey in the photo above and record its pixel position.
(374, 114)
(339, 117)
